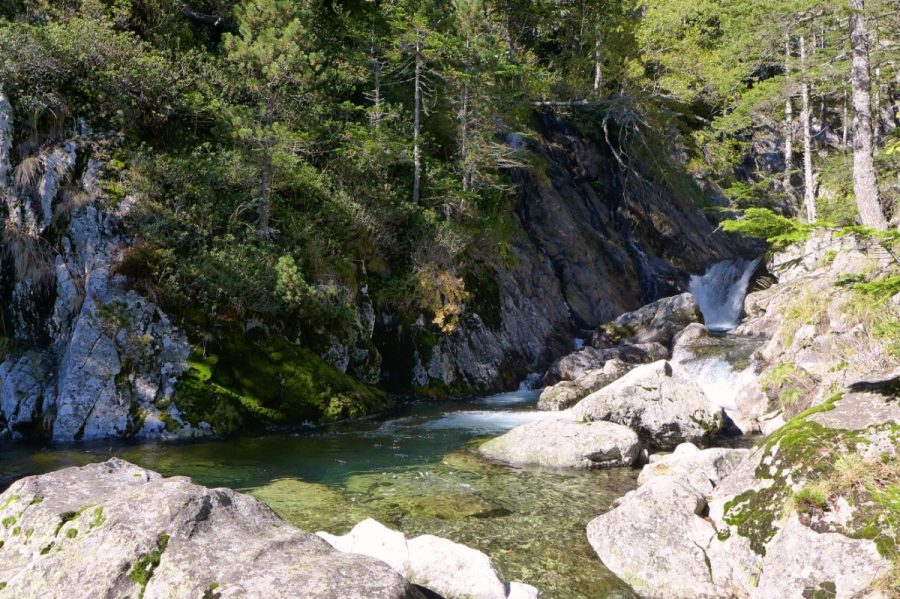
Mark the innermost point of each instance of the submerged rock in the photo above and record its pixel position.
(566, 444)
(117, 530)
(452, 570)
(660, 401)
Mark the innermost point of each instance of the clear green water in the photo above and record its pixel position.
(413, 471)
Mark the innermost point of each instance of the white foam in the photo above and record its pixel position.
(720, 292)
(485, 422)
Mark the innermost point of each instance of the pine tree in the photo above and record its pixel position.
(275, 65)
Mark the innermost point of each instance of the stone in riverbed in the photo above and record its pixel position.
(701, 468)
(452, 570)
(117, 530)
(580, 363)
(566, 444)
(655, 540)
(658, 322)
(660, 401)
(567, 393)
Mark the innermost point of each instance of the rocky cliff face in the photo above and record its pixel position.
(82, 357)
(593, 242)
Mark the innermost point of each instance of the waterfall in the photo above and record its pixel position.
(721, 366)
(720, 292)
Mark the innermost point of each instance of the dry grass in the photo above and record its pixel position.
(27, 172)
(73, 198)
(32, 261)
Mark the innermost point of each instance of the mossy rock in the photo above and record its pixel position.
(254, 380)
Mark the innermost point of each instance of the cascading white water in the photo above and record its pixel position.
(722, 368)
(720, 292)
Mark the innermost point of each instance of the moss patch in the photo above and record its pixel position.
(800, 449)
(258, 380)
(143, 568)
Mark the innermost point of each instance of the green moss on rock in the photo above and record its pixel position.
(255, 380)
(143, 568)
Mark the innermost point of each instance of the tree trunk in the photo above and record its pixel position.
(809, 183)
(876, 106)
(463, 116)
(464, 138)
(6, 130)
(598, 72)
(865, 181)
(377, 113)
(844, 122)
(265, 175)
(417, 123)
(788, 126)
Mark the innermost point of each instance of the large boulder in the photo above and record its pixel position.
(116, 530)
(452, 570)
(701, 468)
(566, 394)
(802, 563)
(588, 359)
(660, 401)
(658, 322)
(790, 518)
(655, 540)
(566, 444)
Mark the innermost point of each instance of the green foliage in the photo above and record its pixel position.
(880, 289)
(258, 380)
(762, 223)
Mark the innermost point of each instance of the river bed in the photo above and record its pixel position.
(413, 471)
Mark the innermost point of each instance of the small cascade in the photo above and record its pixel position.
(530, 382)
(720, 292)
(721, 367)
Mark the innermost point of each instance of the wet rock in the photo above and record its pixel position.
(692, 336)
(584, 361)
(456, 506)
(660, 401)
(565, 394)
(116, 530)
(566, 444)
(658, 322)
(305, 504)
(452, 570)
